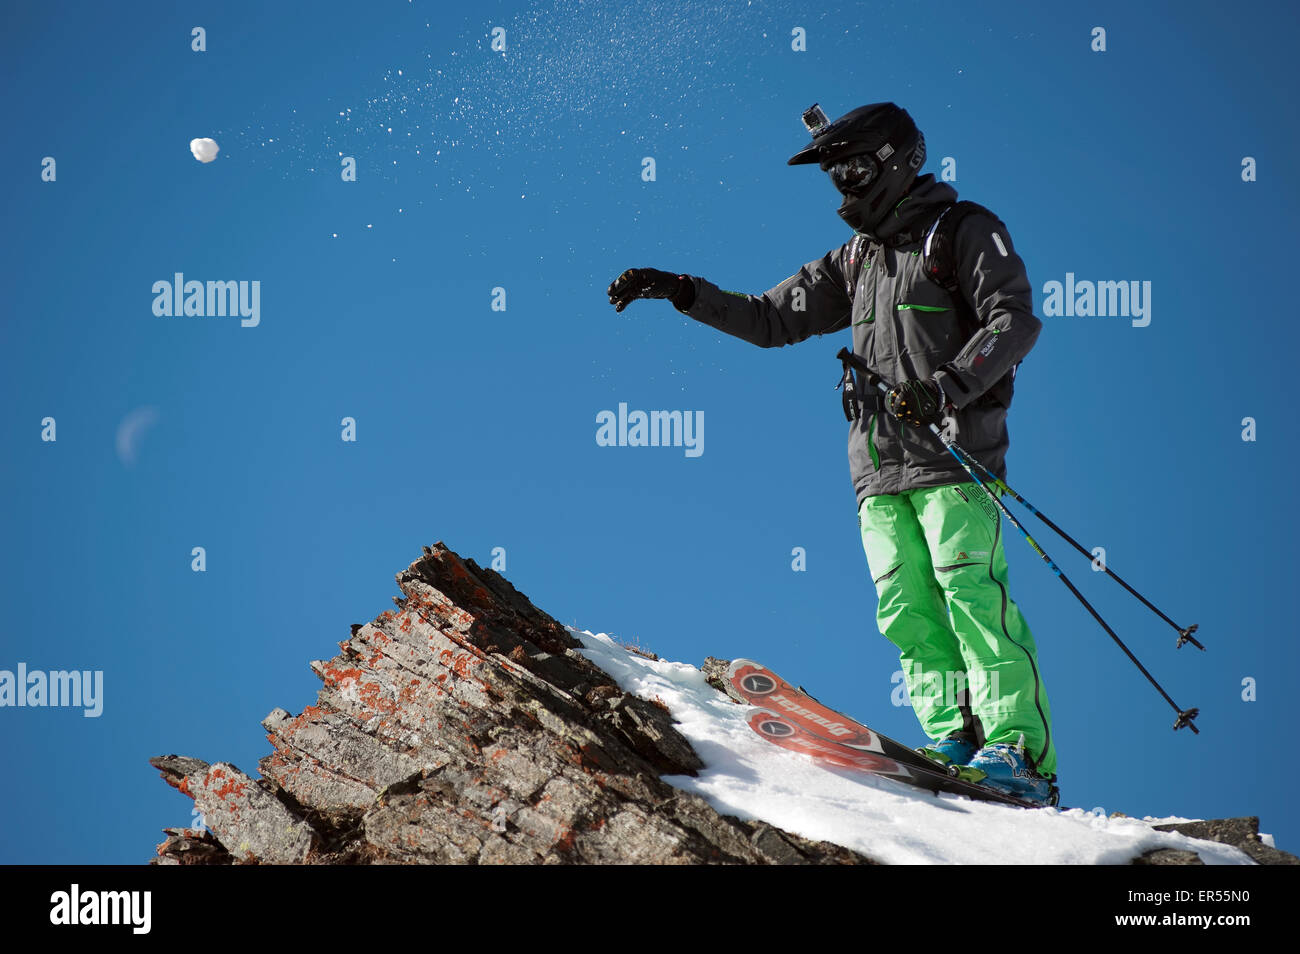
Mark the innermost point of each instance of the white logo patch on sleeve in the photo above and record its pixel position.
(997, 240)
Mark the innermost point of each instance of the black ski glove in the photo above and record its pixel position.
(919, 403)
(651, 283)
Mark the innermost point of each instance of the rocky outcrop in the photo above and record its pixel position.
(465, 727)
(1242, 833)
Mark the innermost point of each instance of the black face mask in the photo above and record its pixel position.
(853, 177)
(858, 217)
(872, 186)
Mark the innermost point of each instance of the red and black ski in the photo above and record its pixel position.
(794, 720)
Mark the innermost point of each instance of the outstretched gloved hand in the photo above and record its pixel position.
(650, 283)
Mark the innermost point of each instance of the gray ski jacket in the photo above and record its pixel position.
(906, 326)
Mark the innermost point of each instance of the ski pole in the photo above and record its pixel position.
(1184, 633)
(1185, 716)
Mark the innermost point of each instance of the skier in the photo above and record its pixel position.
(941, 308)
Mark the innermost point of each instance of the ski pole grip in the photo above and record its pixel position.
(847, 357)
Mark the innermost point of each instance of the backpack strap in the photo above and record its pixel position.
(939, 264)
(938, 257)
(859, 254)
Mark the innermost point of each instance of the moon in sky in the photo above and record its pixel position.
(132, 430)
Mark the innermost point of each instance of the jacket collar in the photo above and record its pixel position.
(914, 213)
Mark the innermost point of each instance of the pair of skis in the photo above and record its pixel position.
(794, 720)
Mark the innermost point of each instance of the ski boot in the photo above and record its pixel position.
(954, 750)
(1003, 768)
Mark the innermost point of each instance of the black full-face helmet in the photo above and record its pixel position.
(872, 155)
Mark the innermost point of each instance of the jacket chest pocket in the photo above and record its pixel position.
(926, 316)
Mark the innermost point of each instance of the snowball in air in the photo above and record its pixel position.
(205, 150)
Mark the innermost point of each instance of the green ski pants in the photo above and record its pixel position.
(968, 657)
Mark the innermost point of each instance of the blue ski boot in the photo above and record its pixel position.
(1003, 768)
(954, 750)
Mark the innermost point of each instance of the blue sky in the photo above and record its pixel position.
(521, 170)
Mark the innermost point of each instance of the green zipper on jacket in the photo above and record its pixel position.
(905, 306)
(871, 442)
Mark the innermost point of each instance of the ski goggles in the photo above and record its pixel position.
(854, 173)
